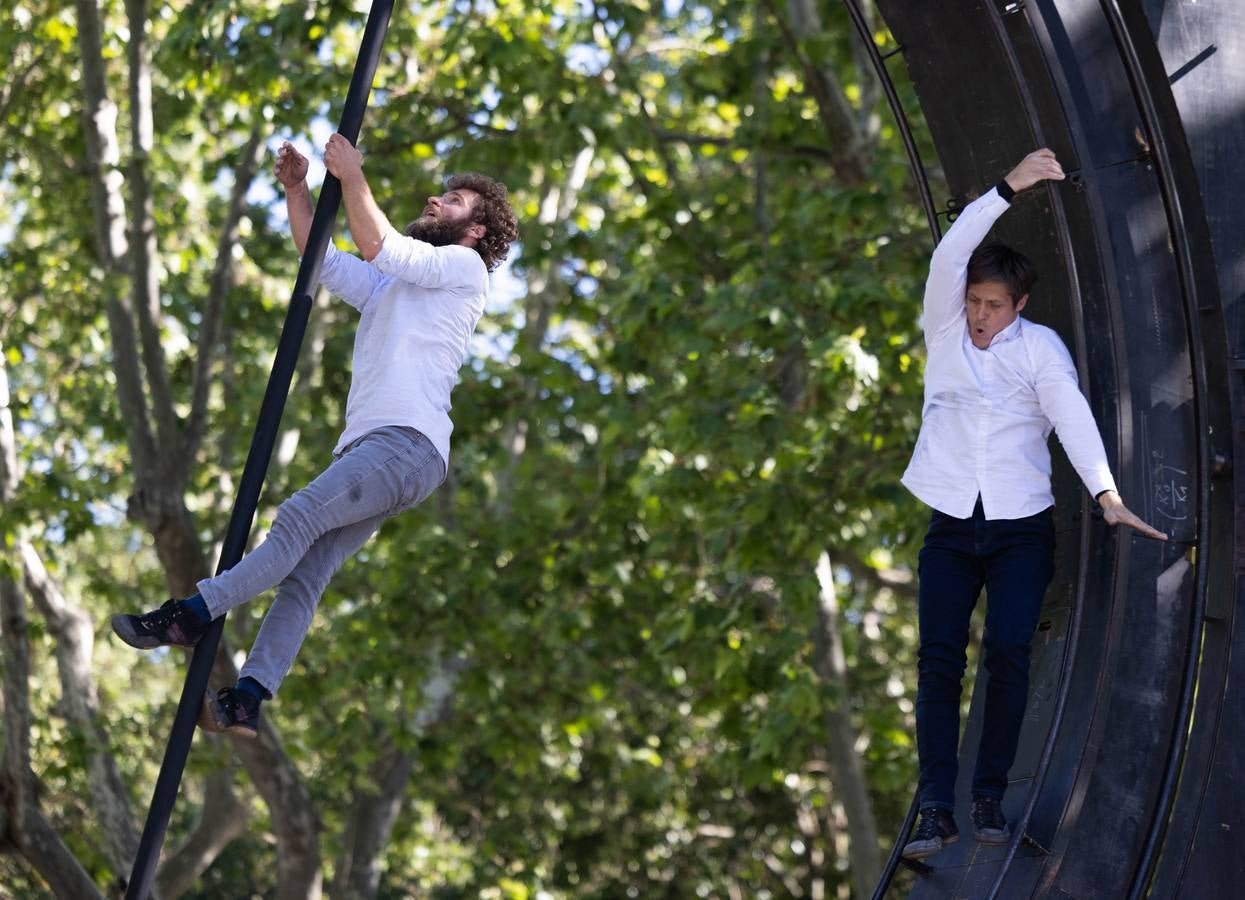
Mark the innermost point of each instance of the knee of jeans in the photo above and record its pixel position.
(305, 584)
(941, 660)
(1004, 657)
(291, 516)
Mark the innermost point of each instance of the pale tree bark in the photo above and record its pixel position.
(99, 124)
(103, 153)
(847, 773)
(74, 632)
(158, 502)
(23, 826)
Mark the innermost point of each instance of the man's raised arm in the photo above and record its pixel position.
(948, 268)
(343, 274)
(291, 171)
(368, 225)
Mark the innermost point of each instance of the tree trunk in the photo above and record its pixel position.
(221, 820)
(22, 825)
(358, 873)
(846, 771)
(295, 822)
(558, 203)
(75, 637)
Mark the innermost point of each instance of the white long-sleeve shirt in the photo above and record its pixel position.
(419, 305)
(988, 413)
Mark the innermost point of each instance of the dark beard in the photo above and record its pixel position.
(438, 232)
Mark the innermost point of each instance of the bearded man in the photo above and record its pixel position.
(420, 294)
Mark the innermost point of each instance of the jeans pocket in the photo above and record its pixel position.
(420, 480)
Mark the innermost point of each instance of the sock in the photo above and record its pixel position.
(253, 687)
(197, 606)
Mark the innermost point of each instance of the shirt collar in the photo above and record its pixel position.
(1011, 332)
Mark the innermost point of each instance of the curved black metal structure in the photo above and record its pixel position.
(1125, 783)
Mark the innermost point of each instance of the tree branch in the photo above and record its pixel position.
(376, 810)
(218, 291)
(145, 285)
(292, 811)
(17, 83)
(99, 120)
(697, 140)
(898, 580)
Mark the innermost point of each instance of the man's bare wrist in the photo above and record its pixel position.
(354, 179)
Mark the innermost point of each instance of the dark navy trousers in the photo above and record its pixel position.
(1014, 560)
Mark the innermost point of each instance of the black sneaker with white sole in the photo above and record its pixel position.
(173, 624)
(989, 825)
(935, 830)
(230, 711)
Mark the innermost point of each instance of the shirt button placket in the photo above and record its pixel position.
(982, 461)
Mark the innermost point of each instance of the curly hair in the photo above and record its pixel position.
(493, 211)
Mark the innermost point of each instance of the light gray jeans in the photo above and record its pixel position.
(315, 531)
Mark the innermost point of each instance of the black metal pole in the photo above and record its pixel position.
(257, 460)
(865, 32)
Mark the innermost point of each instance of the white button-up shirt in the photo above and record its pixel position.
(988, 414)
(419, 305)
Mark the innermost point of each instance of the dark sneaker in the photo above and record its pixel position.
(173, 623)
(230, 711)
(989, 826)
(935, 830)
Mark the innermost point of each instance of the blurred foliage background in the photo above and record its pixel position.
(655, 635)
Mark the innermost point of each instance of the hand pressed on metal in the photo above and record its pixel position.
(1116, 513)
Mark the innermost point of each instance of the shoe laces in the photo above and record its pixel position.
(927, 828)
(988, 813)
(162, 617)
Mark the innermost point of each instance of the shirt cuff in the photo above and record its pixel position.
(1098, 482)
(1005, 190)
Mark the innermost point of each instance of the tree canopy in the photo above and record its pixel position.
(654, 636)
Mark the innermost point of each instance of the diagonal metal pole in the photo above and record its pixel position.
(257, 460)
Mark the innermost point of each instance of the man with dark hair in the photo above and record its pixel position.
(420, 295)
(995, 386)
